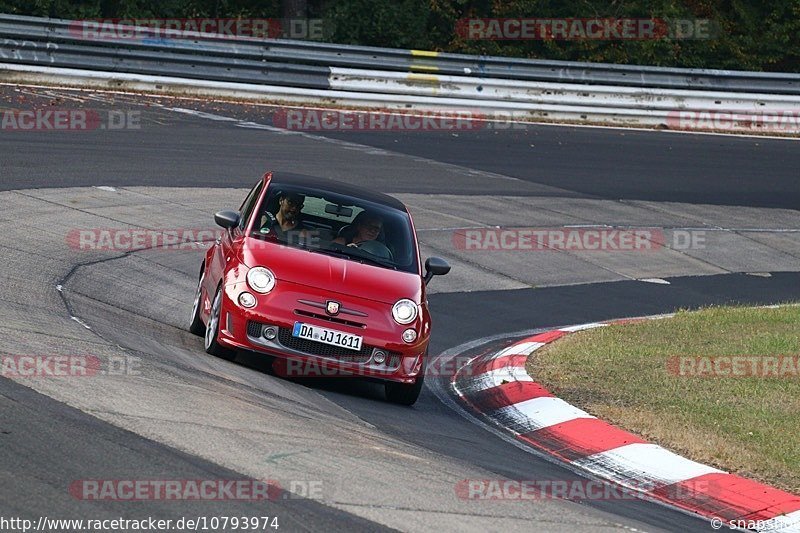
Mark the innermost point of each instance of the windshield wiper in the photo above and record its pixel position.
(329, 252)
(355, 254)
(377, 261)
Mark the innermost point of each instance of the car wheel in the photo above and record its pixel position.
(196, 325)
(405, 394)
(212, 330)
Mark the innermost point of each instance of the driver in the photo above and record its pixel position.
(366, 227)
(289, 206)
(287, 222)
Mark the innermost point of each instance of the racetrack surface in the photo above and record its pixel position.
(188, 415)
(46, 444)
(612, 163)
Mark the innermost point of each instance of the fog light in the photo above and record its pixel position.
(247, 300)
(409, 335)
(379, 356)
(270, 333)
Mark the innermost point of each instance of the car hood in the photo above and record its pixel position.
(332, 274)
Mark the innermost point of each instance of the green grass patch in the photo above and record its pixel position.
(746, 424)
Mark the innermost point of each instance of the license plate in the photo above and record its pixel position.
(327, 336)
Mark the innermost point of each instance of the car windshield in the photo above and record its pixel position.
(338, 225)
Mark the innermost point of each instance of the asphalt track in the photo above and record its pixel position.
(192, 152)
(591, 162)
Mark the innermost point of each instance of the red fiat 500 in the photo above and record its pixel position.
(325, 277)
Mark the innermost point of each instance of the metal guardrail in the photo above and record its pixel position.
(203, 49)
(359, 76)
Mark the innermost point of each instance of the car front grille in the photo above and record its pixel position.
(327, 318)
(324, 350)
(362, 356)
(254, 329)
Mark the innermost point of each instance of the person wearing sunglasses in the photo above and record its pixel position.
(290, 205)
(365, 227)
(287, 224)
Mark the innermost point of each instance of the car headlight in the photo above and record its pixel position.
(404, 311)
(261, 279)
(247, 300)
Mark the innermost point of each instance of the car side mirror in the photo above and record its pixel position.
(435, 266)
(227, 219)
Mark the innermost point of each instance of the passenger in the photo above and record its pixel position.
(365, 227)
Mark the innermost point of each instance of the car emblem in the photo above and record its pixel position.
(331, 307)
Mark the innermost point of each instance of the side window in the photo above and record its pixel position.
(249, 203)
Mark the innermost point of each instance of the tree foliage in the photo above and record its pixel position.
(749, 34)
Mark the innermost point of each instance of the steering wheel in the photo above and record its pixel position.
(375, 248)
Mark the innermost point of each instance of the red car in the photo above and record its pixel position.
(323, 276)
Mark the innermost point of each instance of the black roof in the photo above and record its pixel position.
(281, 179)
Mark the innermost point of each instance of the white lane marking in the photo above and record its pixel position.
(105, 188)
(581, 327)
(491, 379)
(81, 322)
(657, 281)
(788, 523)
(521, 348)
(538, 413)
(202, 114)
(639, 463)
(496, 377)
(454, 228)
(274, 129)
(46, 95)
(587, 226)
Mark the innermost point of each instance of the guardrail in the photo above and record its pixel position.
(355, 76)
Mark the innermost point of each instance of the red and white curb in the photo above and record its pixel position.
(498, 388)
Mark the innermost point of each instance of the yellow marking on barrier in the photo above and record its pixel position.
(431, 68)
(427, 78)
(424, 53)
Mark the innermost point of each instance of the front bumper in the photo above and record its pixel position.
(267, 328)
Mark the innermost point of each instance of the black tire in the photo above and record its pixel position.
(405, 394)
(213, 347)
(196, 325)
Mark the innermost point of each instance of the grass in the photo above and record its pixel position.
(746, 425)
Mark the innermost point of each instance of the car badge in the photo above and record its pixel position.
(331, 307)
